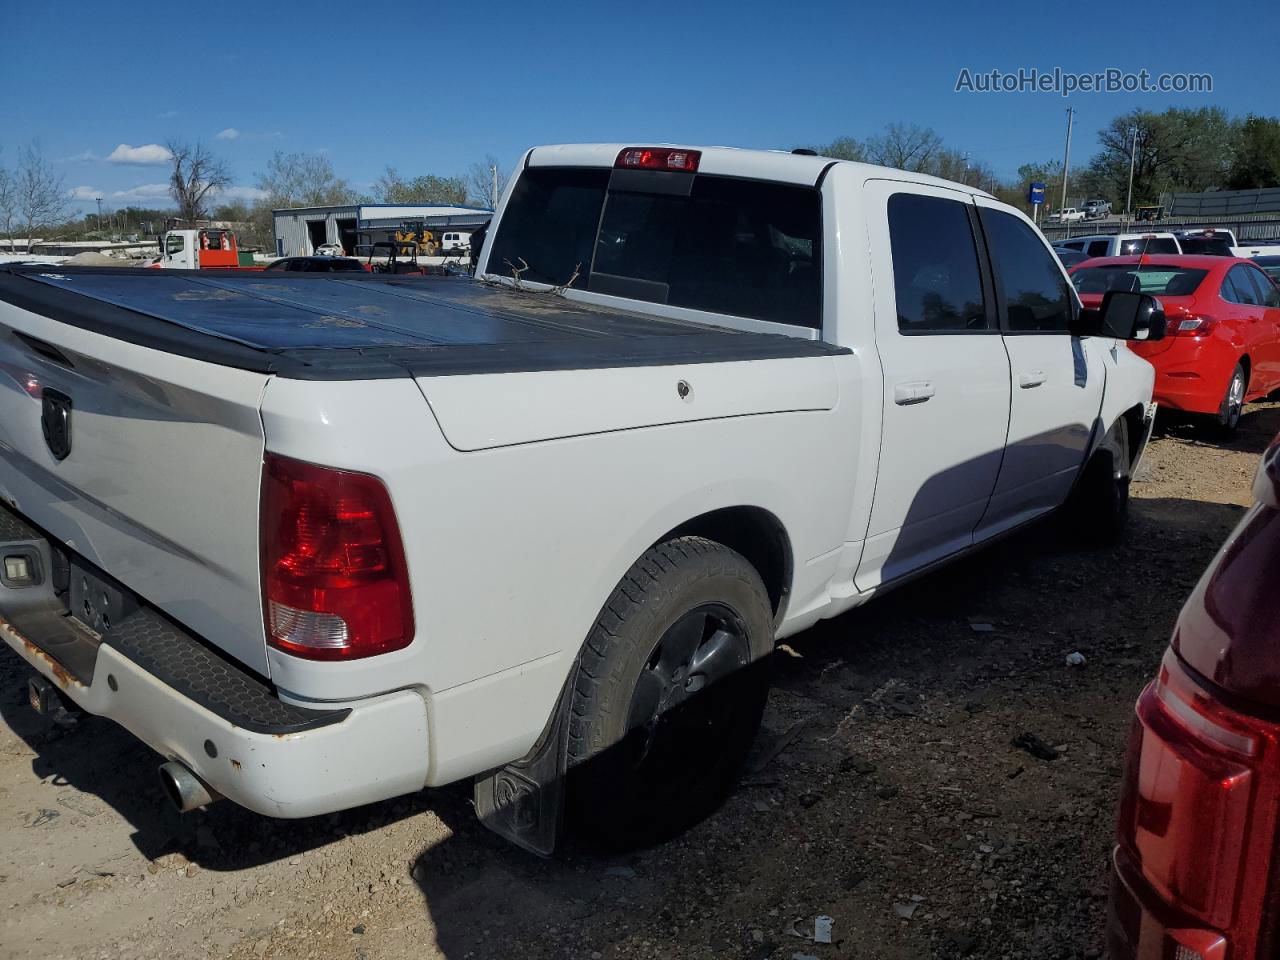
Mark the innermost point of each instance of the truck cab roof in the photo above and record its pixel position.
(780, 166)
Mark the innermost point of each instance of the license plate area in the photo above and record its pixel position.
(96, 602)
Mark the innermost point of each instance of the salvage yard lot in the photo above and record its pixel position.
(885, 792)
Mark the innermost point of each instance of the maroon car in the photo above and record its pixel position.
(1197, 871)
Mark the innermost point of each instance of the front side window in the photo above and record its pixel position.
(936, 280)
(1032, 292)
(174, 244)
(1269, 293)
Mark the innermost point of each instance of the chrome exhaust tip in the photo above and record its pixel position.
(184, 789)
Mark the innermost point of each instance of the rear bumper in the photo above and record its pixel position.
(192, 705)
(1192, 375)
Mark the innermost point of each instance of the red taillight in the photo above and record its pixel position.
(1197, 826)
(1194, 325)
(335, 584)
(658, 158)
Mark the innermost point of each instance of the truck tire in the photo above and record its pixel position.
(1228, 416)
(1100, 502)
(671, 686)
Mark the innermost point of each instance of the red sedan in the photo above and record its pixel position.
(1197, 867)
(1222, 347)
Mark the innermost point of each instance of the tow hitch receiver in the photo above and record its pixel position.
(48, 701)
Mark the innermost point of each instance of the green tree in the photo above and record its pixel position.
(1180, 149)
(392, 188)
(1257, 155)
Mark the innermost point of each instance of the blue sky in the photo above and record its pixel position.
(433, 88)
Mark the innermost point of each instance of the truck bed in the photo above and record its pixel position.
(344, 327)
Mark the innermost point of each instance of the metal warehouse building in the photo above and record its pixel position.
(300, 230)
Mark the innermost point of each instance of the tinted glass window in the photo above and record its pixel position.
(1238, 288)
(550, 223)
(1157, 280)
(1267, 285)
(736, 247)
(1140, 245)
(1099, 248)
(1033, 294)
(935, 265)
(1206, 246)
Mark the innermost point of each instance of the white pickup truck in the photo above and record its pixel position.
(323, 539)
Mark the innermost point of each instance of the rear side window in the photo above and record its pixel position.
(1267, 288)
(1238, 288)
(1033, 294)
(738, 247)
(550, 224)
(1099, 248)
(1141, 245)
(935, 265)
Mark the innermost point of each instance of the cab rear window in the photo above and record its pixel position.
(717, 244)
(1156, 280)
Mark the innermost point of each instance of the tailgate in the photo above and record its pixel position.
(159, 486)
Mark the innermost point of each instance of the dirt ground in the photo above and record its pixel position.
(885, 793)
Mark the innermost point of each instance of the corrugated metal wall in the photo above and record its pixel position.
(292, 235)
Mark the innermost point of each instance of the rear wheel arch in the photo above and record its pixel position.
(758, 535)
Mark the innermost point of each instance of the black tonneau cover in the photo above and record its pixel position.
(353, 326)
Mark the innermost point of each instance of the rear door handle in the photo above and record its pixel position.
(1028, 380)
(918, 391)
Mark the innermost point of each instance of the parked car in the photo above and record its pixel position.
(1270, 266)
(376, 536)
(455, 243)
(1196, 869)
(1222, 242)
(1213, 243)
(320, 264)
(1123, 244)
(1066, 215)
(330, 250)
(1097, 209)
(1223, 314)
(1069, 256)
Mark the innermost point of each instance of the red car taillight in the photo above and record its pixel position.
(1197, 819)
(335, 583)
(1195, 325)
(658, 158)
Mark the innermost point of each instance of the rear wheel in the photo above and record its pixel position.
(1227, 418)
(670, 692)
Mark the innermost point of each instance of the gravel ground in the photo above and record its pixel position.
(886, 792)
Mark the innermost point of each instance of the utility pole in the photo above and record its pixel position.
(494, 170)
(966, 167)
(99, 199)
(1066, 156)
(1133, 151)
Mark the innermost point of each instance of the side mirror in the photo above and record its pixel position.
(1123, 316)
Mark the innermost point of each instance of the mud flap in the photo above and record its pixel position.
(524, 800)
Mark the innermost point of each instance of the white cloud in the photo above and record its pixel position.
(146, 155)
(84, 157)
(84, 193)
(231, 133)
(143, 191)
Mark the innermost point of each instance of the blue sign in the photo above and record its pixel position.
(1036, 194)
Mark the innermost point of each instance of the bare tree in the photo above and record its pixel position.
(40, 196)
(195, 174)
(905, 146)
(484, 182)
(8, 203)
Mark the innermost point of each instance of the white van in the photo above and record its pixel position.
(455, 242)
